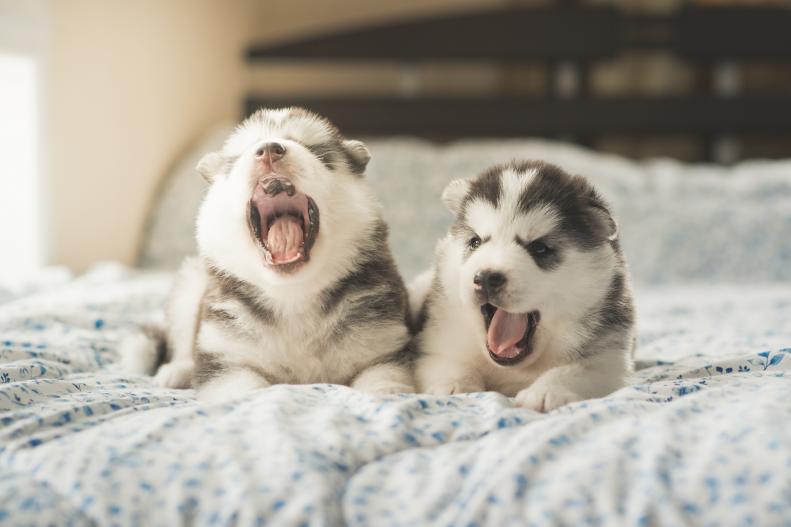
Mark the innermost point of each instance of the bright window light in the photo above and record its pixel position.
(20, 230)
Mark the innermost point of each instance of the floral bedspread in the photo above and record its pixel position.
(702, 436)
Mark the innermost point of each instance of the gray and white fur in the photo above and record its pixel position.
(294, 282)
(529, 294)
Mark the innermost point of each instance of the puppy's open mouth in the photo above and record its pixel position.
(283, 222)
(509, 336)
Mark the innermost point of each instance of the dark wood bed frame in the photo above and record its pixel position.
(562, 34)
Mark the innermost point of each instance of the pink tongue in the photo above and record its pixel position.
(285, 239)
(505, 330)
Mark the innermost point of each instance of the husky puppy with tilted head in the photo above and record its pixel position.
(529, 295)
(294, 282)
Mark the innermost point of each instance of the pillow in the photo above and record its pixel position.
(169, 233)
(678, 222)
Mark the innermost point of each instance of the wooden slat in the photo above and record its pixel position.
(551, 34)
(504, 34)
(713, 34)
(502, 117)
(733, 33)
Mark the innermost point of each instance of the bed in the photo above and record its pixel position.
(700, 436)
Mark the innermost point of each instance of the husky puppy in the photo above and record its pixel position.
(529, 295)
(294, 282)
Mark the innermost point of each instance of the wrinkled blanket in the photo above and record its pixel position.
(702, 436)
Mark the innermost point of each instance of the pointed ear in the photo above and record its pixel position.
(209, 166)
(357, 154)
(454, 194)
(603, 211)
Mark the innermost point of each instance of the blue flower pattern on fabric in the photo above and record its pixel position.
(700, 437)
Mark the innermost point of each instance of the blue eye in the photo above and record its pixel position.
(538, 247)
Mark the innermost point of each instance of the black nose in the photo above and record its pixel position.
(274, 151)
(491, 281)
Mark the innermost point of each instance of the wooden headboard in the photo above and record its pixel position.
(567, 38)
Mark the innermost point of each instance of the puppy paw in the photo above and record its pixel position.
(385, 388)
(174, 375)
(545, 397)
(384, 379)
(453, 388)
(230, 386)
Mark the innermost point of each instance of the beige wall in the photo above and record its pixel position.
(133, 82)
